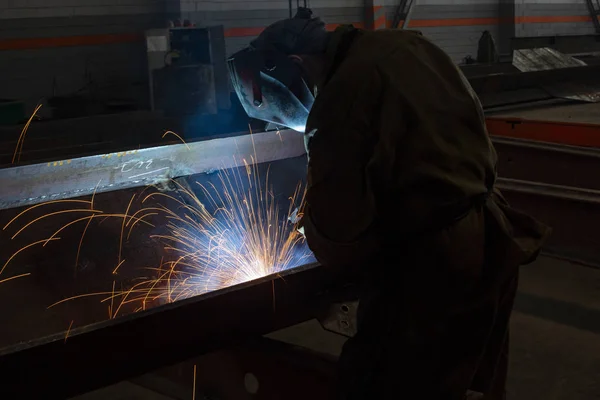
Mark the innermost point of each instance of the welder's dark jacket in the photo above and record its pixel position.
(398, 149)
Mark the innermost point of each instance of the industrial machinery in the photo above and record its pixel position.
(187, 70)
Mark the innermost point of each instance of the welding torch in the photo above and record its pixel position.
(295, 218)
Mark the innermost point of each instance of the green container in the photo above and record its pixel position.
(12, 112)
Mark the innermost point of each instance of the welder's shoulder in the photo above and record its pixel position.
(382, 43)
(388, 47)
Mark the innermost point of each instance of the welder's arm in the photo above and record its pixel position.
(340, 213)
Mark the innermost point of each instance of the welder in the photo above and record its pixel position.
(401, 197)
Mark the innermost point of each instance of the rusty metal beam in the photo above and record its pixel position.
(573, 213)
(30, 184)
(565, 133)
(548, 162)
(101, 354)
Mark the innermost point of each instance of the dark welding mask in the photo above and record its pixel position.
(271, 87)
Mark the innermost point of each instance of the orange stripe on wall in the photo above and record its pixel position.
(255, 31)
(67, 41)
(89, 40)
(548, 19)
(380, 22)
(425, 23)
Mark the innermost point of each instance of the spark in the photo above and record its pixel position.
(178, 137)
(14, 277)
(123, 230)
(21, 140)
(81, 242)
(69, 330)
(118, 266)
(21, 250)
(213, 236)
(87, 225)
(70, 211)
(194, 385)
(42, 205)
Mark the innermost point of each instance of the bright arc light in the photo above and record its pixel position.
(229, 233)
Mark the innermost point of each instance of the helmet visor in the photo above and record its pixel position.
(271, 88)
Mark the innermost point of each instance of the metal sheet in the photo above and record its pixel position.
(588, 92)
(101, 354)
(544, 59)
(36, 183)
(527, 60)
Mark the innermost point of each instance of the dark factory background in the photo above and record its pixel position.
(122, 98)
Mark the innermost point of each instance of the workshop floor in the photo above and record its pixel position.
(555, 338)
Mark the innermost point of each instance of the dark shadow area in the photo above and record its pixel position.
(562, 312)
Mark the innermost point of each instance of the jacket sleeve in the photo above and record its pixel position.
(340, 211)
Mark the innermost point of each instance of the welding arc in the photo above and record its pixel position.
(230, 233)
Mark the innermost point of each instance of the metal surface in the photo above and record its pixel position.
(543, 59)
(568, 44)
(504, 82)
(340, 318)
(562, 133)
(573, 214)
(259, 369)
(588, 92)
(547, 162)
(30, 184)
(97, 355)
(527, 60)
(143, 342)
(547, 190)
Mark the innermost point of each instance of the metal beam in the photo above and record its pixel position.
(30, 184)
(98, 355)
(548, 162)
(502, 82)
(101, 354)
(573, 213)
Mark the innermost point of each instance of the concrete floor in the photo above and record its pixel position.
(556, 333)
(555, 353)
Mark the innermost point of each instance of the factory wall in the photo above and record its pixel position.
(456, 26)
(552, 17)
(244, 20)
(57, 47)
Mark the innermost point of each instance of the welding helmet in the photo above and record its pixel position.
(271, 86)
